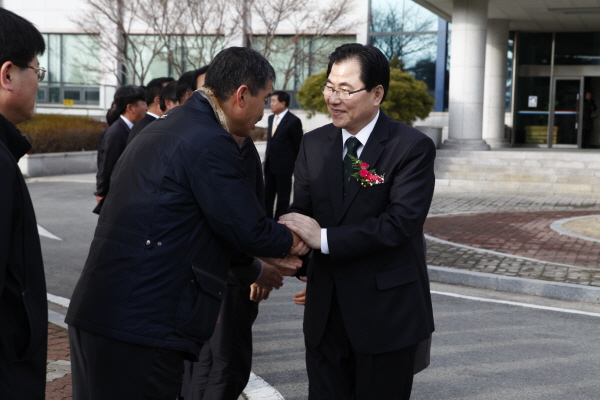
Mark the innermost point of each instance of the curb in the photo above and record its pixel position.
(535, 287)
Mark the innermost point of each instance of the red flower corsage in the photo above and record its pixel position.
(364, 175)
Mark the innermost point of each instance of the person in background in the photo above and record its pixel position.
(131, 105)
(200, 75)
(185, 86)
(23, 304)
(168, 97)
(589, 113)
(153, 90)
(284, 134)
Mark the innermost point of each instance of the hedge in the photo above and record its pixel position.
(53, 133)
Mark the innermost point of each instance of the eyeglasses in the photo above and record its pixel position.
(41, 72)
(341, 93)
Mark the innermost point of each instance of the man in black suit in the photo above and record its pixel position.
(179, 205)
(23, 304)
(153, 90)
(363, 187)
(284, 135)
(131, 106)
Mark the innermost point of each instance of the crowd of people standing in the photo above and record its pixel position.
(190, 238)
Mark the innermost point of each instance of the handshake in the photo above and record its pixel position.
(307, 234)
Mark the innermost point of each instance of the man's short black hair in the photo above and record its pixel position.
(20, 41)
(237, 66)
(154, 87)
(129, 94)
(374, 67)
(185, 84)
(282, 96)
(169, 92)
(199, 72)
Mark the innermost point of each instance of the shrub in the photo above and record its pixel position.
(407, 98)
(53, 133)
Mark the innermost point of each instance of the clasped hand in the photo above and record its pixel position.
(308, 230)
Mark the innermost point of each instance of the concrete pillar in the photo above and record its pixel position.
(494, 93)
(467, 67)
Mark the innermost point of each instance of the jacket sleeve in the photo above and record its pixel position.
(297, 134)
(7, 185)
(230, 204)
(410, 196)
(110, 150)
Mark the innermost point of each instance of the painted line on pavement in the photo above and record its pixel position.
(258, 389)
(61, 301)
(44, 232)
(514, 303)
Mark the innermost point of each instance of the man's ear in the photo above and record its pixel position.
(5, 75)
(240, 95)
(378, 94)
(157, 100)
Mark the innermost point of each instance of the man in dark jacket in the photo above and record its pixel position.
(131, 106)
(284, 135)
(179, 203)
(153, 90)
(23, 306)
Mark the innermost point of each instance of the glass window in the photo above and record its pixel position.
(54, 58)
(534, 48)
(577, 48)
(532, 105)
(401, 16)
(80, 60)
(54, 95)
(72, 94)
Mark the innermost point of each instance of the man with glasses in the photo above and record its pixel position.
(363, 187)
(23, 305)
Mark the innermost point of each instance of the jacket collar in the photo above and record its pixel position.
(13, 139)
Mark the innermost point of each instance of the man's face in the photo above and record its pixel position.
(138, 110)
(200, 80)
(354, 113)
(277, 107)
(253, 111)
(25, 86)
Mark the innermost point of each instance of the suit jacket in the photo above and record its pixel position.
(377, 262)
(282, 149)
(111, 146)
(23, 304)
(138, 126)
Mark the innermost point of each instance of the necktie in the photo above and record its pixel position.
(275, 124)
(352, 145)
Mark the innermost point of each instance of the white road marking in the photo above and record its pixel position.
(514, 303)
(61, 301)
(258, 389)
(44, 232)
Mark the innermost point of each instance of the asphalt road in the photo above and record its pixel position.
(483, 347)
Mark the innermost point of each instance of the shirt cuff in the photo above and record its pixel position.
(324, 243)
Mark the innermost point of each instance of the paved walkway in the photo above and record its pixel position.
(503, 235)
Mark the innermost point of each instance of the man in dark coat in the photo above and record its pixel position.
(179, 203)
(23, 305)
(131, 107)
(364, 185)
(152, 93)
(284, 134)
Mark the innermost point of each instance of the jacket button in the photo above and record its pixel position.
(148, 242)
(159, 244)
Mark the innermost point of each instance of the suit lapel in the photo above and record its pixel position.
(333, 167)
(370, 154)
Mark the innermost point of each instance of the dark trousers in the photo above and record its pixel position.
(104, 369)
(279, 185)
(337, 372)
(223, 368)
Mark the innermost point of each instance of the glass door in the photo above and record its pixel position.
(565, 114)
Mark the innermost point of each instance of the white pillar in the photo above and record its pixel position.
(467, 64)
(494, 100)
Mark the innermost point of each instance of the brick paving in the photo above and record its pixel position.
(58, 370)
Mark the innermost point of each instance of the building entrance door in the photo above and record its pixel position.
(565, 113)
